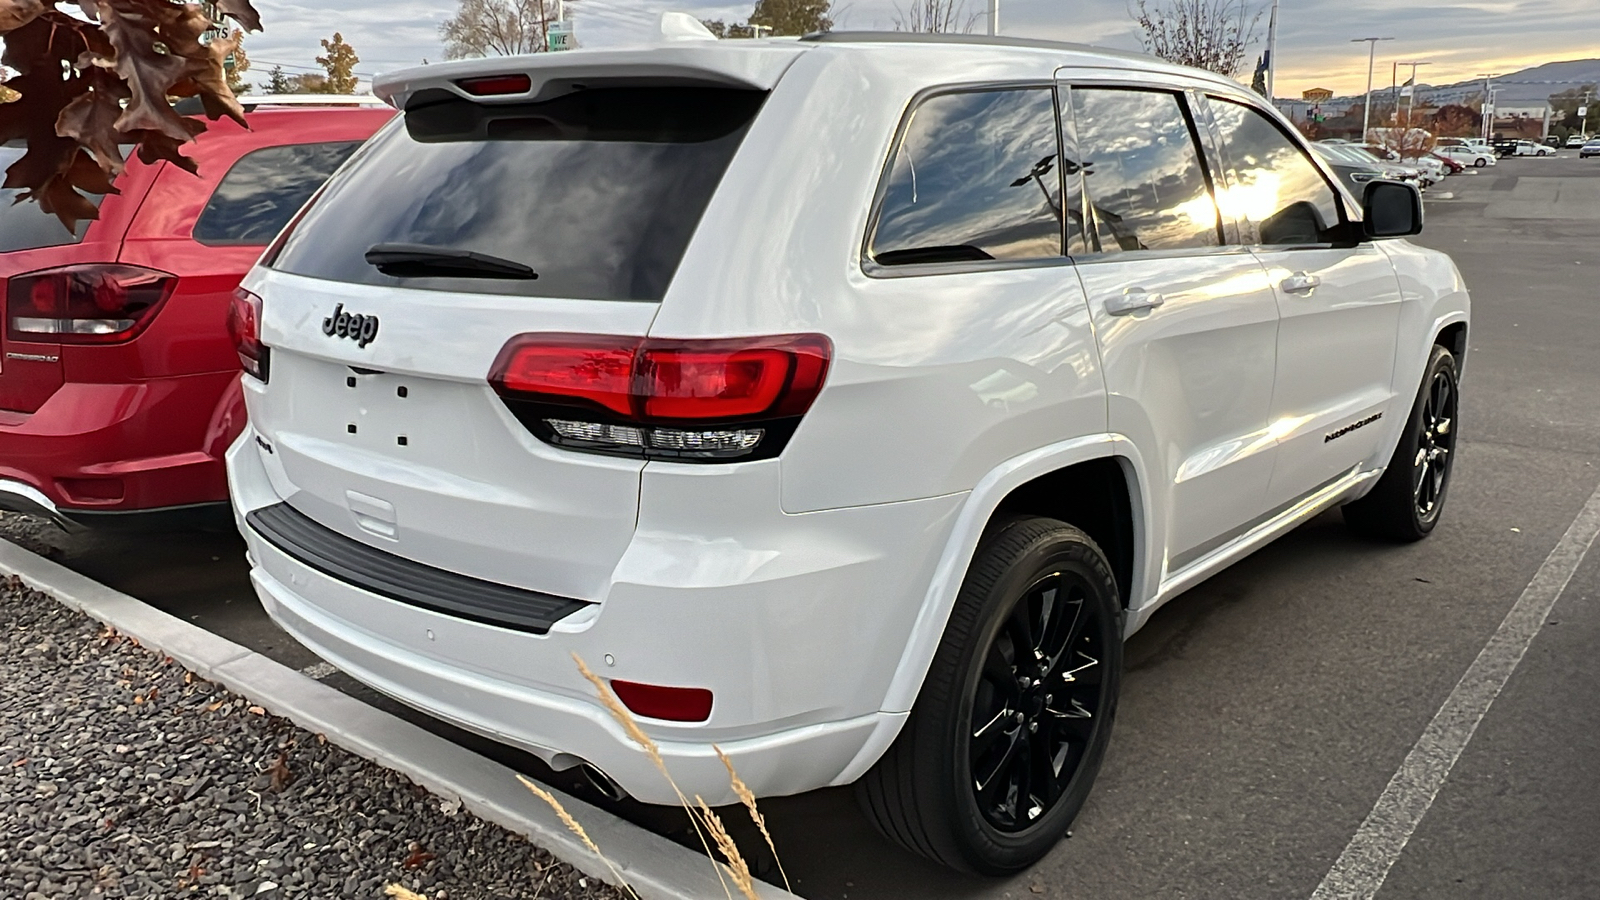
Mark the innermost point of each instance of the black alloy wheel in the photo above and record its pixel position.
(1434, 446)
(1006, 737)
(1035, 707)
(1404, 505)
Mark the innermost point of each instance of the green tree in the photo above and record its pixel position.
(728, 30)
(340, 64)
(279, 83)
(237, 64)
(792, 17)
(1564, 118)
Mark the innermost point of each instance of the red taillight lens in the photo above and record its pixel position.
(675, 704)
(737, 398)
(86, 304)
(650, 380)
(244, 326)
(490, 85)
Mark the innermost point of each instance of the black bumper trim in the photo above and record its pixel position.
(407, 581)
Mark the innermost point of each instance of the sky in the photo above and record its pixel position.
(1459, 39)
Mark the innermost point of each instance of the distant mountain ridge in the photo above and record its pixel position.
(1533, 85)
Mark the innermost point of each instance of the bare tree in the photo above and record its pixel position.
(497, 28)
(1206, 34)
(935, 17)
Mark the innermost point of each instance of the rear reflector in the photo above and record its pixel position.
(674, 704)
(492, 85)
(86, 304)
(690, 399)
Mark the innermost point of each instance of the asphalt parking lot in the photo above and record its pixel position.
(1265, 712)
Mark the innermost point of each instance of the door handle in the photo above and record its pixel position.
(1300, 283)
(1133, 300)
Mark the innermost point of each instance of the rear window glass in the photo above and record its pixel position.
(597, 191)
(24, 226)
(264, 190)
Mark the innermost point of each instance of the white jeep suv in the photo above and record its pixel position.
(842, 402)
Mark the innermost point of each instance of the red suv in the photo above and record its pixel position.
(119, 383)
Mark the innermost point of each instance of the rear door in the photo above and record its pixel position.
(388, 432)
(1187, 324)
(1338, 301)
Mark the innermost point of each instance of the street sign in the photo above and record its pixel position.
(559, 36)
(1583, 112)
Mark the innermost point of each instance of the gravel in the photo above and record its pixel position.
(123, 775)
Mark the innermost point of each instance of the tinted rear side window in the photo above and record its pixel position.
(1142, 171)
(264, 190)
(1275, 192)
(598, 191)
(24, 226)
(976, 177)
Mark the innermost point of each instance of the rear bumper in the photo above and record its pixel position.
(796, 623)
(95, 451)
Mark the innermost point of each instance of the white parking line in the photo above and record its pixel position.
(1366, 860)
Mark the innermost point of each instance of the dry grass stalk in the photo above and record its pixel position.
(738, 869)
(625, 719)
(577, 829)
(748, 798)
(400, 893)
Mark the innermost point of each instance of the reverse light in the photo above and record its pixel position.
(675, 704)
(703, 400)
(492, 85)
(244, 327)
(86, 304)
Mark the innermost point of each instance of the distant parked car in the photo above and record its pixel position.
(1362, 160)
(1576, 141)
(1590, 149)
(1355, 173)
(1477, 157)
(119, 387)
(1452, 166)
(1552, 141)
(1506, 147)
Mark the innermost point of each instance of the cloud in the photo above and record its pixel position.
(1461, 38)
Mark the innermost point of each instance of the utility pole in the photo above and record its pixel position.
(994, 18)
(1488, 104)
(1372, 58)
(1272, 52)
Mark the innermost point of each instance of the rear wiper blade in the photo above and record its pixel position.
(423, 261)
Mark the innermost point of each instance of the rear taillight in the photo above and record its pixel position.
(244, 326)
(492, 85)
(86, 304)
(717, 399)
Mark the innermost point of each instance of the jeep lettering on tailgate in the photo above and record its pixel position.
(355, 326)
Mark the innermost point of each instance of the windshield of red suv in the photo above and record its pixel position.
(596, 191)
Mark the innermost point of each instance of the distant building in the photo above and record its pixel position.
(1525, 120)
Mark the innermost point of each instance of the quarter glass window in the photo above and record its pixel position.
(1142, 171)
(976, 177)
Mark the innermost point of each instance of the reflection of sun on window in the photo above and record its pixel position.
(1254, 197)
(1199, 211)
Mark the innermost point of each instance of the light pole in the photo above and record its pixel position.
(1372, 58)
(1272, 52)
(1488, 104)
(994, 17)
(1413, 104)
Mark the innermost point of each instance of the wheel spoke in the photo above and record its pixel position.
(986, 779)
(987, 735)
(1000, 673)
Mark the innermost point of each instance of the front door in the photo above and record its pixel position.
(1187, 326)
(1338, 303)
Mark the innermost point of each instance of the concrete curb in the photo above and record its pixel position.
(657, 868)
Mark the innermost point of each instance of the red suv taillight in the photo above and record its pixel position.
(86, 304)
(719, 399)
(244, 326)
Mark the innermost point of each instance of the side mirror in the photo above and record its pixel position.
(1392, 209)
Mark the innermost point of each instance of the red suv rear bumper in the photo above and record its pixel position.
(94, 451)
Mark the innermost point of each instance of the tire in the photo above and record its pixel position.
(948, 789)
(1544, 153)
(1480, 162)
(1406, 502)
